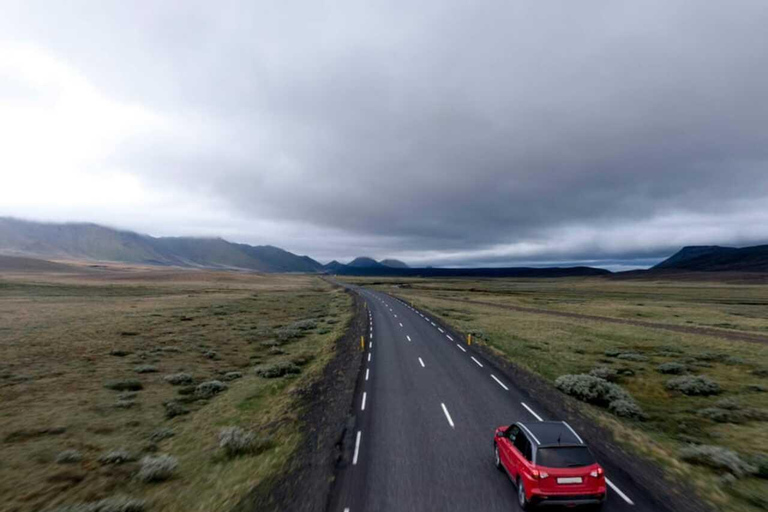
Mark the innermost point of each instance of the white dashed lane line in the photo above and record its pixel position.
(461, 348)
(447, 336)
(409, 338)
(531, 411)
(401, 324)
(422, 363)
(367, 372)
(369, 357)
(499, 382)
(439, 329)
(362, 405)
(473, 358)
(357, 447)
(447, 415)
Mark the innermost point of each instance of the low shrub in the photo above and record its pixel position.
(273, 371)
(114, 504)
(734, 360)
(302, 359)
(604, 372)
(187, 390)
(589, 388)
(718, 458)
(594, 390)
(117, 457)
(124, 385)
(177, 379)
(233, 375)
(170, 349)
(710, 356)
(157, 468)
(69, 457)
(671, 368)
(286, 334)
(236, 441)
(626, 409)
(612, 352)
(632, 356)
(119, 352)
(174, 408)
(305, 325)
(145, 368)
(760, 372)
(760, 462)
(211, 354)
(123, 403)
(210, 388)
(694, 385)
(275, 351)
(160, 434)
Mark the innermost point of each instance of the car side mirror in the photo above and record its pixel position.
(500, 433)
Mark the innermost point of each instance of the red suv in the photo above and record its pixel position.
(550, 465)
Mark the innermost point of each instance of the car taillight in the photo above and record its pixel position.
(539, 475)
(596, 472)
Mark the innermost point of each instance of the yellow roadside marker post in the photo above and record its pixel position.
(469, 339)
(362, 343)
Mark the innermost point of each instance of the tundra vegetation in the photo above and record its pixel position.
(138, 389)
(693, 397)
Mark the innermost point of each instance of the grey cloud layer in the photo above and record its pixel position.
(448, 128)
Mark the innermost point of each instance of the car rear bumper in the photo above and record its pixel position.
(564, 500)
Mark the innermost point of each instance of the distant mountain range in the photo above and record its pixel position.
(99, 243)
(79, 241)
(713, 258)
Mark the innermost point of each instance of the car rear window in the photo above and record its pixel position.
(564, 457)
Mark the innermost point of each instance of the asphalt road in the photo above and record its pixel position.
(426, 409)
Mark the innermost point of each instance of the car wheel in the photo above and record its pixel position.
(496, 458)
(521, 499)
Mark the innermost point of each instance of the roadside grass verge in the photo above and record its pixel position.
(70, 354)
(689, 412)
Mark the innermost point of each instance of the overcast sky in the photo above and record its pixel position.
(438, 132)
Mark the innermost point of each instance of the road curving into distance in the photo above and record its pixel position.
(425, 411)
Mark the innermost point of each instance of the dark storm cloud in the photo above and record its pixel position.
(450, 132)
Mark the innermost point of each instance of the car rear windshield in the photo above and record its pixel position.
(564, 457)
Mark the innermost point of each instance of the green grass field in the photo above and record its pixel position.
(551, 346)
(63, 339)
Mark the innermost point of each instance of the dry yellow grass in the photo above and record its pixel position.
(57, 332)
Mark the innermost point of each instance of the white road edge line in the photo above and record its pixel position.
(367, 372)
(531, 411)
(448, 416)
(618, 491)
(462, 348)
(362, 406)
(499, 382)
(409, 338)
(475, 360)
(422, 363)
(357, 448)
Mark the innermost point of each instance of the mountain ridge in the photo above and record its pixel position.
(714, 258)
(88, 241)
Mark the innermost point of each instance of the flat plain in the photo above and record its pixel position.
(693, 356)
(117, 382)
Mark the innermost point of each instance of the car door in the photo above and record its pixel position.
(520, 447)
(506, 449)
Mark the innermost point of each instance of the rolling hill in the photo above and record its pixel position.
(99, 243)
